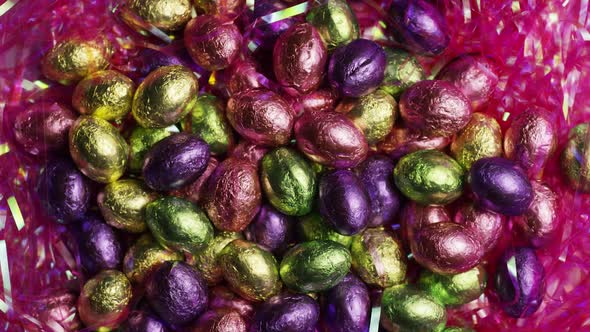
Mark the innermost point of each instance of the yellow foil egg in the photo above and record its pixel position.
(481, 138)
(207, 260)
(105, 94)
(98, 149)
(168, 15)
(122, 204)
(145, 256)
(454, 289)
(165, 96)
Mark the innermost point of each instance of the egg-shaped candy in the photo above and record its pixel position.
(374, 114)
(287, 312)
(105, 94)
(346, 306)
(207, 259)
(314, 266)
(271, 229)
(250, 152)
(225, 8)
(242, 75)
(175, 161)
(60, 308)
(330, 139)
(435, 108)
(233, 195)
(318, 101)
(141, 141)
(122, 204)
(178, 224)
(207, 120)
(140, 321)
(406, 308)
(167, 15)
(429, 177)
(540, 222)
(223, 299)
(402, 71)
(195, 191)
(357, 68)
(484, 225)
(575, 158)
(212, 41)
(144, 256)
(100, 246)
(520, 282)
(105, 300)
(313, 227)
(415, 217)
(419, 26)
(402, 141)
(501, 186)
(165, 96)
(288, 181)
(250, 271)
(64, 191)
(43, 128)
(73, 59)
(481, 138)
(177, 292)
(335, 22)
(454, 289)
(220, 321)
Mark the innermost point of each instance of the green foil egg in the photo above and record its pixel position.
(122, 204)
(410, 309)
(289, 182)
(207, 120)
(145, 256)
(315, 266)
(251, 271)
(402, 71)
(481, 138)
(575, 158)
(378, 258)
(207, 260)
(454, 289)
(429, 177)
(313, 227)
(178, 224)
(335, 22)
(140, 142)
(98, 149)
(374, 114)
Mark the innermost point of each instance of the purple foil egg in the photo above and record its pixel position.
(140, 321)
(286, 313)
(487, 226)
(419, 26)
(175, 161)
(346, 306)
(501, 186)
(177, 292)
(540, 223)
(520, 282)
(100, 247)
(270, 229)
(376, 174)
(357, 68)
(344, 202)
(64, 191)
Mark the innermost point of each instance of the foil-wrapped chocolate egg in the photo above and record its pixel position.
(378, 258)
(73, 59)
(520, 282)
(419, 26)
(318, 101)
(178, 224)
(501, 186)
(59, 308)
(220, 321)
(540, 222)
(100, 246)
(531, 140)
(207, 259)
(105, 300)
(575, 158)
(374, 114)
(195, 191)
(344, 202)
(402, 141)
(248, 151)
(315, 266)
(140, 321)
(299, 59)
(335, 22)
(175, 161)
(261, 116)
(177, 292)
(227, 8)
(287, 312)
(43, 128)
(122, 204)
(454, 289)
(165, 96)
(141, 141)
(481, 138)
(144, 257)
(213, 42)
(167, 15)
(207, 120)
(330, 139)
(313, 227)
(65, 193)
(406, 308)
(289, 181)
(250, 271)
(429, 177)
(475, 75)
(271, 229)
(401, 71)
(346, 306)
(446, 248)
(223, 299)
(435, 108)
(376, 175)
(415, 216)
(357, 68)
(104, 94)
(484, 225)
(233, 195)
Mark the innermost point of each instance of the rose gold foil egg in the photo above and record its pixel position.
(212, 42)
(318, 101)
(233, 195)
(250, 152)
(416, 216)
(229, 8)
(540, 223)
(531, 140)
(261, 116)
(402, 141)
(241, 76)
(60, 309)
(487, 226)
(330, 139)
(220, 321)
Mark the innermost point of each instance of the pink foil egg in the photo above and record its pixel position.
(487, 226)
(540, 223)
(212, 42)
(415, 217)
(402, 141)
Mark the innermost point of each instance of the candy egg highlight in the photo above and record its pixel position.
(346, 307)
(122, 204)
(207, 120)
(287, 312)
(374, 113)
(454, 289)
(335, 22)
(207, 259)
(168, 15)
(144, 257)
(406, 308)
(105, 299)
(540, 222)
(481, 138)
(401, 72)
(212, 42)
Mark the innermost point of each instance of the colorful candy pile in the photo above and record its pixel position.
(322, 183)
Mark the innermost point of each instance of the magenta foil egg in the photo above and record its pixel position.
(212, 42)
(330, 139)
(415, 216)
(486, 226)
(402, 141)
(540, 223)
(249, 151)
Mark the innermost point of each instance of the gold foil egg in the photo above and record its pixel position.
(122, 204)
(168, 15)
(575, 158)
(207, 260)
(145, 256)
(104, 94)
(98, 149)
(165, 96)
(481, 138)
(455, 289)
(408, 309)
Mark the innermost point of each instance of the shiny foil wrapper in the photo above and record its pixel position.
(487, 226)
(313, 227)
(401, 141)
(167, 15)
(415, 216)
(212, 42)
(141, 141)
(219, 321)
(207, 260)
(207, 120)
(575, 158)
(122, 204)
(144, 257)
(455, 289)
(406, 308)
(227, 8)
(287, 312)
(540, 222)
(335, 22)
(481, 138)
(402, 71)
